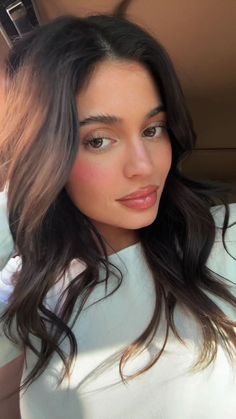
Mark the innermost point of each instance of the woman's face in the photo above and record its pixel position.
(124, 149)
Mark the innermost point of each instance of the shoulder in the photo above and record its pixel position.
(9, 350)
(14, 265)
(218, 213)
(6, 277)
(223, 260)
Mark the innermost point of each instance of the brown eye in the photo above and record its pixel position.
(96, 142)
(150, 132)
(154, 131)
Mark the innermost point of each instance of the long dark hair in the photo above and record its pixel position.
(39, 143)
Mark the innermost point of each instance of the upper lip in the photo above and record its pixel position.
(140, 193)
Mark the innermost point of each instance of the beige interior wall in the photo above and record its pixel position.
(214, 122)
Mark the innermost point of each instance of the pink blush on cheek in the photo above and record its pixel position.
(85, 171)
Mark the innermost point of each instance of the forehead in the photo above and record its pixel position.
(118, 87)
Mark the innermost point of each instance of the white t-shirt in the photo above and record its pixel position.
(169, 390)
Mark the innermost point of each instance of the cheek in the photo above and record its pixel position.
(166, 158)
(82, 184)
(87, 180)
(169, 157)
(83, 173)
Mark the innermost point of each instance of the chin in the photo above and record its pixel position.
(140, 223)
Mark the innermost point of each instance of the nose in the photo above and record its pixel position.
(138, 161)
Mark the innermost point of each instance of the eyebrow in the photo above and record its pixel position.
(112, 119)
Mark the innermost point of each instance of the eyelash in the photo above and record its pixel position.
(87, 143)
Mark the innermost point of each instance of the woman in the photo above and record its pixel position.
(121, 295)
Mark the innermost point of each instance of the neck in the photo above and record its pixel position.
(115, 238)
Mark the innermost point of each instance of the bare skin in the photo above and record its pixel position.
(127, 152)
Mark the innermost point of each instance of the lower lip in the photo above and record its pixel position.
(141, 203)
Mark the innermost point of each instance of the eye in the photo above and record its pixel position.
(155, 131)
(97, 143)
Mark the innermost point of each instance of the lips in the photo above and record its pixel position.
(141, 193)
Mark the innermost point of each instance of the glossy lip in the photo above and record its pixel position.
(141, 193)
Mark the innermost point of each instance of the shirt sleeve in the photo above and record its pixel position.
(6, 241)
(8, 350)
(222, 261)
